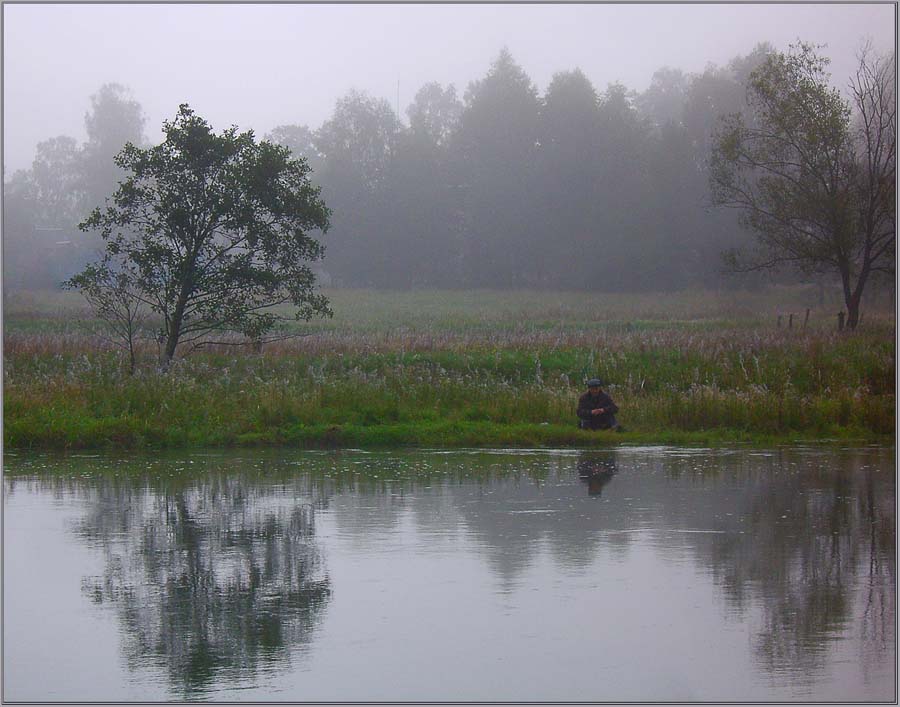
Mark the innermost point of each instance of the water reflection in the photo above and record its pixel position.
(214, 578)
(596, 469)
(811, 541)
(800, 535)
(219, 576)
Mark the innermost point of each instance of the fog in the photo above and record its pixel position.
(498, 146)
(259, 66)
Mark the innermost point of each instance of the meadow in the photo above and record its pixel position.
(473, 368)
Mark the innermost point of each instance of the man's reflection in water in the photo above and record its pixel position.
(596, 469)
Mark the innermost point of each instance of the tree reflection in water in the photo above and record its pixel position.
(213, 578)
(803, 543)
(809, 540)
(217, 576)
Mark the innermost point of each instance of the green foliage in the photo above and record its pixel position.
(43, 205)
(210, 232)
(465, 368)
(115, 119)
(725, 387)
(434, 114)
(802, 181)
(787, 163)
(576, 188)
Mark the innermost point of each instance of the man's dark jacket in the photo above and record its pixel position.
(588, 402)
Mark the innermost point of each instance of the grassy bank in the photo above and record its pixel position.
(429, 370)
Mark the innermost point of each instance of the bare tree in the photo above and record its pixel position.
(117, 303)
(874, 99)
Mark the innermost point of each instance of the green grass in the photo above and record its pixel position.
(429, 369)
(459, 312)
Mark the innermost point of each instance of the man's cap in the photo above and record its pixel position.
(594, 383)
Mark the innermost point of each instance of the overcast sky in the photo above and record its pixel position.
(258, 66)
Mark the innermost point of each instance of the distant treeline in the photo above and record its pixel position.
(575, 189)
(43, 206)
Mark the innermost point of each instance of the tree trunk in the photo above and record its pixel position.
(187, 287)
(172, 342)
(175, 330)
(853, 312)
(852, 296)
(855, 298)
(130, 332)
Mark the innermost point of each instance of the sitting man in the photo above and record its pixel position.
(596, 410)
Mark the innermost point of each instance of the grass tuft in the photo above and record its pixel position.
(461, 371)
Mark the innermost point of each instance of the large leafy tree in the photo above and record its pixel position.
(422, 241)
(569, 163)
(434, 114)
(494, 149)
(301, 141)
(55, 178)
(358, 145)
(360, 137)
(663, 102)
(212, 233)
(44, 204)
(40, 209)
(811, 189)
(684, 111)
(114, 119)
(622, 192)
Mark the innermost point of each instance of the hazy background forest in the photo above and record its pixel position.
(520, 201)
(500, 185)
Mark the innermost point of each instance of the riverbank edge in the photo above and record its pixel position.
(113, 434)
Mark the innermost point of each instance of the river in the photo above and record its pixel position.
(629, 574)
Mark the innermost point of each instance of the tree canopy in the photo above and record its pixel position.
(498, 185)
(43, 205)
(811, 190)
(212, 231)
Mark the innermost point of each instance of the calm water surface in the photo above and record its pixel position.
(634, 574)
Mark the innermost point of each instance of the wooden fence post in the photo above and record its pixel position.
(806, 318)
